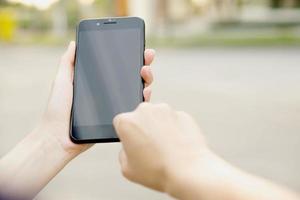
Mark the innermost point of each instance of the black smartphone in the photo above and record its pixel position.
(107, 80)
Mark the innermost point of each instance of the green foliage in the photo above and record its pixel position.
(73, 15)
(281, 3)
(105, 5)
(275, 3)
(3, 2)
(298, 3)
(219, 40)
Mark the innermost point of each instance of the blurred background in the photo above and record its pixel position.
(233, 64)
(177, 22)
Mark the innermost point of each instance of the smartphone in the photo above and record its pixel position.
(107, 80)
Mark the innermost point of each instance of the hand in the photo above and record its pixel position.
(158, 141)
(57, 117)
(164, 149)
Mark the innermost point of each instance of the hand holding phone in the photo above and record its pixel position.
(107, 80)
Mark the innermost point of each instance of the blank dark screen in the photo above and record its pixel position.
(107, 77)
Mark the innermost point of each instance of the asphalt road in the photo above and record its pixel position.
(246, 100)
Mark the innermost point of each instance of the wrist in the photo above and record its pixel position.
(58, 133)
(201, 178)
(53, 144)
(40, 158)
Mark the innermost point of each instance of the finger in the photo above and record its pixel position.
(147, 94)
(147, 75)
(62, 87)
(69, 54)
(121, 123)
(66, 69)
(149, 55)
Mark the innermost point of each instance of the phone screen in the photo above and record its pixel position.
(107, 79)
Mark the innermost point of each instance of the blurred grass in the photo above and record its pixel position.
(213, 40)
(40, 38)
(203, 40)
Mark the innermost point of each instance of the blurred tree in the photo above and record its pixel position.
(73, 14)
(282, 3)
(3, 2)
(275, 3)
(60, 19)
(105, 7)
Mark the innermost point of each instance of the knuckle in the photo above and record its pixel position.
(147, 93)
(143, 105)
(147, 89)
(120, 120)
(121, 117)
(123, 122)
(117, 119)
(125, 172)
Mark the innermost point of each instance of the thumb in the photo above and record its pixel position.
(66, 66)
(60, 101)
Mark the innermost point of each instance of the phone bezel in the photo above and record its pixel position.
(105, 24)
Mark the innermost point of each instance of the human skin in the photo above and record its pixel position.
(28, 167)
(164, 149)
